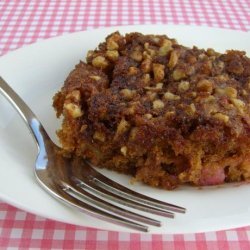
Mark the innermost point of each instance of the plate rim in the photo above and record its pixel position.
(107, 30)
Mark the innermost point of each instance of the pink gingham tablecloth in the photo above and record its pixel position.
(25, 22)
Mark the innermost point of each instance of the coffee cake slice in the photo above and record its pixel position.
(164, 113)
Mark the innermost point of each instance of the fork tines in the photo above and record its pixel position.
(92, 190)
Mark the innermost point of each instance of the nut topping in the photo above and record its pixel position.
(100, 62)
(158, 70)
(158, 104)
(171, 97)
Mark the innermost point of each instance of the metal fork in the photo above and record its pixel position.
(76, 183)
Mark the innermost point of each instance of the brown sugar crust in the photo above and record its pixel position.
(164, 113)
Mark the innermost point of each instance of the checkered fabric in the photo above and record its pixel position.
(21, 230)
(25, 22)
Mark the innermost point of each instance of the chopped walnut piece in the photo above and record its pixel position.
(244, 92)
(222, 77)
(131, 110)
(178, 74)
(193, 94)
(171, 97)
(73, 110)
(146, 65)
(165, 47)
(228, 91)
(151, 95)
(158, 70)
(132, 107)
(149, 53)
(239, 104)
(156, 39)
(133, 133)
(100, 62)
(231, 92)
(192, 106)
(169, 114)
(146, 45)
(124, 150)
(132, 71)
(173, 59)
(75, 95)
(202, 56)
(112, 55)
(128, 93)
(158, 86)
(136, 55)
(190, 109)
(111, 44)
(205, 86)
(221, 117)
(146, 55)
(90, 53)
(148, 116)
(112, 41)
(183, 86)
(122, 127)
(96, 78)
(211, 52)
(83, 128)
(146, 78)
(210, 98)
(99, 136)
(158, 104)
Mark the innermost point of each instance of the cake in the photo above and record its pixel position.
(161, 112)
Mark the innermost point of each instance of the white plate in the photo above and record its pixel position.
(36, 72)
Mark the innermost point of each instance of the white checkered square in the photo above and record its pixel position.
(59, 234)
(232, 236)
(37, 234)
(16, 233)
(20, 215)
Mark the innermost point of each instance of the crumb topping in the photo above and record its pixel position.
(168, 114)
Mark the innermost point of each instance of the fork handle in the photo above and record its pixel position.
(30, 119)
